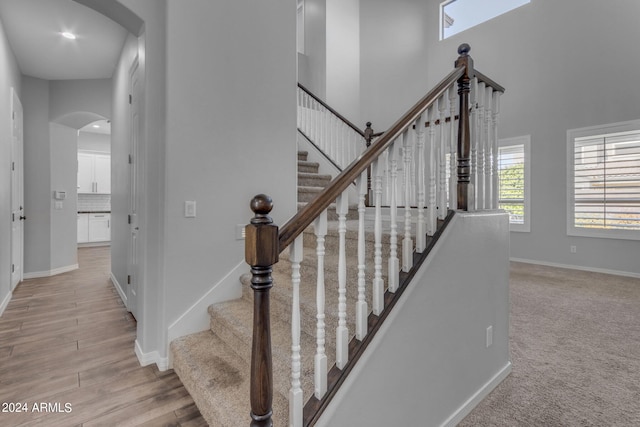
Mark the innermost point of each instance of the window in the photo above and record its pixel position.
(300, 27)
(604, 181)
(513, 180)
(459, 15)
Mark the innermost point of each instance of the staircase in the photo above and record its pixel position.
(214, 364)
(263, 352)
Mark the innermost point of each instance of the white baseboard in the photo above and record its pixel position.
(5, 302)
(473, 401)
(121, 292)
(196, 318)
(59, 270)
(578, 267)
(151, 357)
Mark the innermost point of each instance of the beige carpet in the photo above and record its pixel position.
(575, 349)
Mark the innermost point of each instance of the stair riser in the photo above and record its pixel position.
(314, 181)
(307, 194)
(308, 167)
(302, 155)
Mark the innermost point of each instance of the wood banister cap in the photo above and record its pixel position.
(261, 205)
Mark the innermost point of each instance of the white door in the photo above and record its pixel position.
(134, 181)
(17, 192)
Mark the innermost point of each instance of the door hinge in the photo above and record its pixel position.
(13, 166)
(130, 99)
(13, 217)
(128, 219)
(13, 115)
(130, 159)
(13, 268)
(129, 279)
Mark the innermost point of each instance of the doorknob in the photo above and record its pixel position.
(22, 218)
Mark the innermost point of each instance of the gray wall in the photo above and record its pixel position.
(37, 175)
(9, 77)
(92, 141)
(564, 65)
(231, 134)
(430, 357)
(64, 177)
(49, 238)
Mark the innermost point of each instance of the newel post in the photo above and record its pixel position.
(261, 252)
(464, 136)
(368, 137)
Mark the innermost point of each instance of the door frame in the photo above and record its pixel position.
(134, 255)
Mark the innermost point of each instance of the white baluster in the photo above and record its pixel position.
(378, 282)
(481, 146)
(488, 150)
(496, 117)
(296, 402)
(432, 212)
(473, 118)
(453, 145)
(362, 310)
(442, 160)
(394, 263)
(421, 232)
(320, 371)
(342, 333)
(407, 242)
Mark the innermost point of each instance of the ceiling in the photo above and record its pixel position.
(33, 29)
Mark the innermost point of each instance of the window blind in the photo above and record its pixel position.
(511, 182)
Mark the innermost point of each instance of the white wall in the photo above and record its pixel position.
(9, 77)
(64, 177)
(565, 65)
(429, 364)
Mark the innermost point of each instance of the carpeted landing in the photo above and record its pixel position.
(575, 350)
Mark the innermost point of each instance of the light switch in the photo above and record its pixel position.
(190, 209)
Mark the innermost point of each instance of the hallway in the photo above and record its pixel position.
(67, 358)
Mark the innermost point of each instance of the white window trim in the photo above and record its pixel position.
(572, 134)
(525, 141)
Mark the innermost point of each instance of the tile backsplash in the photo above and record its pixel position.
(94, 202)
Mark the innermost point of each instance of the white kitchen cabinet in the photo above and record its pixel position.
(94, 227)
(83, 228)
(94, 173)
(99, 227)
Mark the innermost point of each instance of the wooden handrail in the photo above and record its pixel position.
(305, 217)
(489, 82)
(334, 112)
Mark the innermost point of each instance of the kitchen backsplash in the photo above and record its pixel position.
(94, 202)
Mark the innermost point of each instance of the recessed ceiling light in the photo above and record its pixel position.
(68, 35)
(96, 126)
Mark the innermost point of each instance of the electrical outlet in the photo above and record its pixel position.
(489, 336)
(190, 209)
(572, 249)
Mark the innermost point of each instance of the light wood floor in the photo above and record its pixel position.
(67, 342)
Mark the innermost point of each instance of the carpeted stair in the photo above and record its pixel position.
(214, 364)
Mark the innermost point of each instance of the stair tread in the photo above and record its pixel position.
(237, 316)
(217, 379)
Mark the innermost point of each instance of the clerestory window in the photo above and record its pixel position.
(460, 15)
